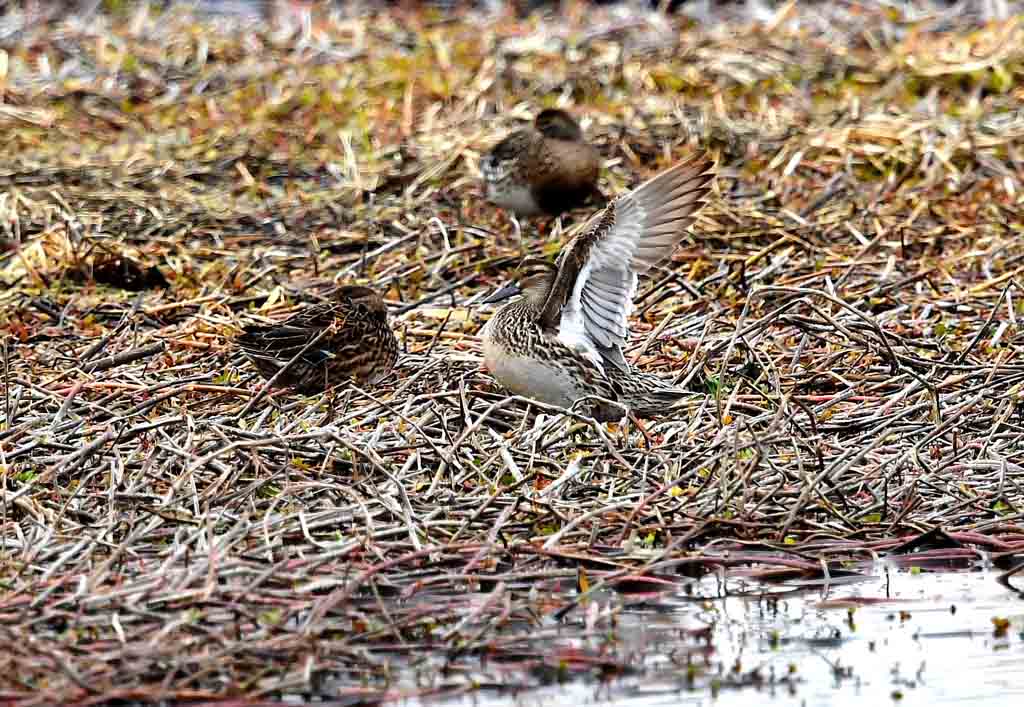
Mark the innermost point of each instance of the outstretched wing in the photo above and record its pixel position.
(590, 303)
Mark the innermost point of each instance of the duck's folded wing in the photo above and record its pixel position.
(278, 342)
(285, 340)
(592, 298)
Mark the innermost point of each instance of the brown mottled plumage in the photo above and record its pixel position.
(546, 168)
(562, 340)
(355, 342)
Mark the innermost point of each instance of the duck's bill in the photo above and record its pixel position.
(502, 293)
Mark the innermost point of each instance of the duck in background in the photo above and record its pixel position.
(545, 169)
(344, 339)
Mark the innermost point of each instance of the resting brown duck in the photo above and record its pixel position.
(345, 339)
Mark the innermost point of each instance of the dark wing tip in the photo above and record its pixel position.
(697, 172)
(251, 335)
(677, 193)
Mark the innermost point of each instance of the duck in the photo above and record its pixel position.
(560, 339)
(345, 339)
(545, 169)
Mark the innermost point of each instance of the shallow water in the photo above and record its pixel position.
(912, 638)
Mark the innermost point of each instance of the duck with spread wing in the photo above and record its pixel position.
(562, 339)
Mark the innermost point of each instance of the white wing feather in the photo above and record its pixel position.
(648, 224)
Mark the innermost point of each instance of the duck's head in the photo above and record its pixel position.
(533, 280)
(359, 294)
(558, 125)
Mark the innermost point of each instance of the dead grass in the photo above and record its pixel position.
(847, 313)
